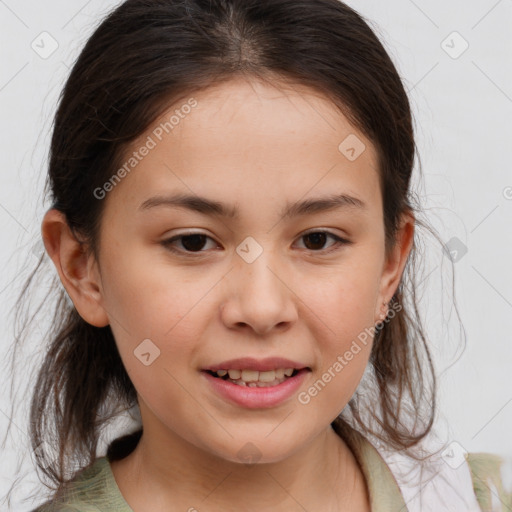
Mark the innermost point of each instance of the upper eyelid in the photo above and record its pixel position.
(309, 231)
(339, 238)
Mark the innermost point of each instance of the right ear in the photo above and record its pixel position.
(78, 272)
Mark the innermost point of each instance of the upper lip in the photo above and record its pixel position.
(261, 365)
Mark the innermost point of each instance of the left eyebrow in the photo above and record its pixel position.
(323, 204)
(210, 207)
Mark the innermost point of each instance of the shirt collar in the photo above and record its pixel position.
(384, 491)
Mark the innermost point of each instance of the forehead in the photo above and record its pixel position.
(251, 140)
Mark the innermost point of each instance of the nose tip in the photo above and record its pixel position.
(258, 297)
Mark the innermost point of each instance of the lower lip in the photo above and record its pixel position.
(254, 397)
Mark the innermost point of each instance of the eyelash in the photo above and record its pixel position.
(340, 242)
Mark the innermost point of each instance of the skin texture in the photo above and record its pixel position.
(256, 147)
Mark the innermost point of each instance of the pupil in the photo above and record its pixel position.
(317, 238)
(197, 242)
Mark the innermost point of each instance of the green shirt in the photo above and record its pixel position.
(94, 489)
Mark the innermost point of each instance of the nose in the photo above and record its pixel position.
(259, 296)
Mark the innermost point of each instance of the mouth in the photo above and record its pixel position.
(252, 378)
(256, 390)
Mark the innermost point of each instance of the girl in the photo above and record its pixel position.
(275, 362)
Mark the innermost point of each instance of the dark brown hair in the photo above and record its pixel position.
(145, 56)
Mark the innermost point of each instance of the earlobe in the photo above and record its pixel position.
(78, 274)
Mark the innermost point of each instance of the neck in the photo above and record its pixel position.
(167, 471)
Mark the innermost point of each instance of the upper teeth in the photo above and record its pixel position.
(255, 376)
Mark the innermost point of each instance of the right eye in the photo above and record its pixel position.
(191, 242)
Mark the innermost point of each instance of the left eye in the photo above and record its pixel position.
(193, 243)
(318, 238)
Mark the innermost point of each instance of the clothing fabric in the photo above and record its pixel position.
(474, 486)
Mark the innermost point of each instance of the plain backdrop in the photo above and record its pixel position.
(455, 61)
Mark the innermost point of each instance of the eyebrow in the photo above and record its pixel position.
(217, 209)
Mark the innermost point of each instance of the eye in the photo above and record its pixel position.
(192, 243)
(318, 238)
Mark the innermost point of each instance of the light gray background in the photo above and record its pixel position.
(462, 108)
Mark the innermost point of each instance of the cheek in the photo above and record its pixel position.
(344, 300)
(155, 315)
(148, 296)
(341, 307)
(343, 350)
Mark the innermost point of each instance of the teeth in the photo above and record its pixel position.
(249, 375)
(253, 378)
(266, 376)
(234, 374)
(279, 373)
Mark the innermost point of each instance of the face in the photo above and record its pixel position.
(186, 287)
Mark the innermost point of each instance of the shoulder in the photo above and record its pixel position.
(55, 506)
(472, 483)
(52, 506)
(88, 491)
(486, 474)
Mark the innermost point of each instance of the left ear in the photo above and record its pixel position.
(395, 262)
